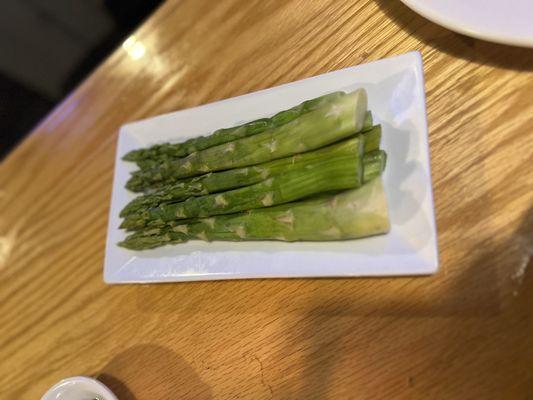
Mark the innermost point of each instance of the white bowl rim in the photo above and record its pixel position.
(80, 383)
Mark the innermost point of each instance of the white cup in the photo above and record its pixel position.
(79, 388)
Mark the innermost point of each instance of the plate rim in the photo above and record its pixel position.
(428, 266)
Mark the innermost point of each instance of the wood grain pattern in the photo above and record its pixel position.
(465, 333)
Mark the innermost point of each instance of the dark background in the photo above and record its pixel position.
(48, 46)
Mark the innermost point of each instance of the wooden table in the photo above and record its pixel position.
(465, 333)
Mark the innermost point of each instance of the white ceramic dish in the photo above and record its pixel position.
(507, 22)
(79, 388)
(395, 89)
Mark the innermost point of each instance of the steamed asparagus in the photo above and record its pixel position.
(348, 215)
(229, 134)
(231, 179)
(209, 183)
(373, 164)
(344, 171)
(333, 122)
(157, 161)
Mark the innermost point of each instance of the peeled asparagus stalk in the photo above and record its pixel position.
(333, 122)
(348, 215)
(239, 177)
(229, 134)
(343, 171)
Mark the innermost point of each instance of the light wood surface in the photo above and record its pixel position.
(465, 333)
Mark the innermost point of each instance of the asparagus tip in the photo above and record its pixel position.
(131, 156)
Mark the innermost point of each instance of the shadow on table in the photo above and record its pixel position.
(334, 336)
(512, 258)
(455, 44)
(152, 372)
(364, 353)
(368, 338)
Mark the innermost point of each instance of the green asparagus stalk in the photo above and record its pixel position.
(344, 171)
(229, 134)
(175, 189)
(239, 177)
(333, 122)
(348, 215)
(373, 164)
(157, 161)
(372, 138)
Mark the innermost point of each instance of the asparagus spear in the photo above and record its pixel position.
(229, 134)
(155, 162)
(231, 179)
(173, 188)
(315, 129)
(344, 171)
(373, 164)
(348, 215)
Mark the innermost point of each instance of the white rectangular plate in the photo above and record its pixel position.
(395, 88)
